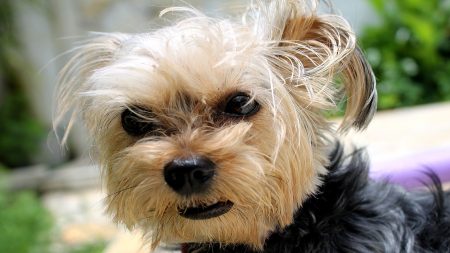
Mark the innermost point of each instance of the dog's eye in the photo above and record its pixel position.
(240, 105)
(135, 121)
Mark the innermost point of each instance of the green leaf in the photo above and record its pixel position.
(25, 225)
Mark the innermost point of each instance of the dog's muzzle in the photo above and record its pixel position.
(194, 175)
(189, 175)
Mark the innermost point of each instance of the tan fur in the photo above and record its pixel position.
(284, 54)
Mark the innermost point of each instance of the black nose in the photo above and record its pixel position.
(189, 175)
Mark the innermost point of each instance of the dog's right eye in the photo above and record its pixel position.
(135, 123)
(241, 105)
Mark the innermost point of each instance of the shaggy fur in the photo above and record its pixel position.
(154, 102)
(352, 213)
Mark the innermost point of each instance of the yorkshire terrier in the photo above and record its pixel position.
(213, 134)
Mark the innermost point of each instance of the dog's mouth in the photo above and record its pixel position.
(206, 211)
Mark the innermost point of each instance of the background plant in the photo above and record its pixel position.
(21, 134)
(94, 247)
(25, 225)
(410, 51)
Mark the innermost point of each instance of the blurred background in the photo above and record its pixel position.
(51, 197)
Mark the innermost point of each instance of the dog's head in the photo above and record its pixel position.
(212, 130)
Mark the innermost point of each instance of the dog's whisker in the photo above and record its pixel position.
(151, 216)
(114, 194)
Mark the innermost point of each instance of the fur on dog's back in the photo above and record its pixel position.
(352, 213)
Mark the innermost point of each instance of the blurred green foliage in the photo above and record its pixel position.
(25, 225)
(410, 51)
(95, 247)
(21, 134)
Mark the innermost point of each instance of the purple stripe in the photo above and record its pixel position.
(409, 171)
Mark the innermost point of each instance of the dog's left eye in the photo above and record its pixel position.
(135, 122)
(240, 105)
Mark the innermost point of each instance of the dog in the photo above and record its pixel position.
(212, 134)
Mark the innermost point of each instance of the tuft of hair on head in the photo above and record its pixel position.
(74, 79)
(315, 51)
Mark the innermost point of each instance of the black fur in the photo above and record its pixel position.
(352, 213)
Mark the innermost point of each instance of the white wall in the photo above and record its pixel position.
(357, 12)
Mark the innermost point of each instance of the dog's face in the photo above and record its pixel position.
(212, 130)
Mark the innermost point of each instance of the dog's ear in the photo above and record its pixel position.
(327, 49)
(92, 55)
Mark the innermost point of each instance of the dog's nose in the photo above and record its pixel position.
(189, 175)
